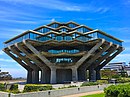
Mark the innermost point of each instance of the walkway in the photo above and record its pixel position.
(83, 94)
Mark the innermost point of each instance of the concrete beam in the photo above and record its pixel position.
(18, 60)
(33, 66)
(37, 53)
(96, 56)
(110, 58)
(80, 61)
(37, 62)
(110, 51)
(35, 77)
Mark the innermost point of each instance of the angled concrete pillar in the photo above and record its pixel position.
(92, 74)
(110, 51)
(89, 53)
(37, 53)
(74, 74)
(53, 75)
(98, 75)
(110, 58)
(35, 76)
(29, 77)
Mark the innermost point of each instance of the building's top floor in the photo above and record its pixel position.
(63, 32)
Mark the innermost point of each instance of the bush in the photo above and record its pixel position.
(2, 87)
(102, 82)
(123, 80)
(70, 86)
(14, 87)
(89, 83)
(117, 91)
(36, 87)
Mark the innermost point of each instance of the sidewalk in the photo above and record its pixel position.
(83, 94)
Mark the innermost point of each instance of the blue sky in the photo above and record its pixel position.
(16, 16)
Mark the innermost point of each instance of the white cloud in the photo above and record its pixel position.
(1, 52)
(122, 58)
(19, 21)
(126, 40)
(10, 32)
(61, 5)
(6, 60)
(15, 72)
(50, 4)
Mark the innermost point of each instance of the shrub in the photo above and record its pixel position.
(36, 87)
(123, 80)
(2, 87)
(89, 83)
(70, 86)
(102, 82)
(14, 87)
(117, 91)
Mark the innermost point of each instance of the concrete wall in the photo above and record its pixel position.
(4, 94)
(58, 93)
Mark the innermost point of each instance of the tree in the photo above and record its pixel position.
(109, 74)
(5, 75)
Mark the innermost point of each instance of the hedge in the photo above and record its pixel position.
(2, 87)
(89, 83)
(123, 80)
(36, 87)
(118, 91)
(14, 87)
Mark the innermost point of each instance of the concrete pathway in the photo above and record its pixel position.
(83, 94)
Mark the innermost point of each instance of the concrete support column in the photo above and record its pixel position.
(53, 75)
(82, 75)
(74, 74)
(92, 74)
(98, 76)
(43, 76)
(35, 76)
(29, 77)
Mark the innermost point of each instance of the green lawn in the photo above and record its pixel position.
(95, 95)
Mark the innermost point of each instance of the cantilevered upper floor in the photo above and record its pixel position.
(63, 32)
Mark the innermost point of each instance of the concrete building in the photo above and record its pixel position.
(63, 52)
(118, 66)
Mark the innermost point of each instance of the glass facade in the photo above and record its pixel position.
(83, 38)
(71, 25)
(64, 60)
(64, 50)
(43, 30)
(54, 25)
(63, 30)
(82, 30)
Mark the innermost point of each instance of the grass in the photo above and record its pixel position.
(95, 95)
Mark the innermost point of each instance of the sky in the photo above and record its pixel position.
(17, 16)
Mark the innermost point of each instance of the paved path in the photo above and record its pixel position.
(83, 94)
